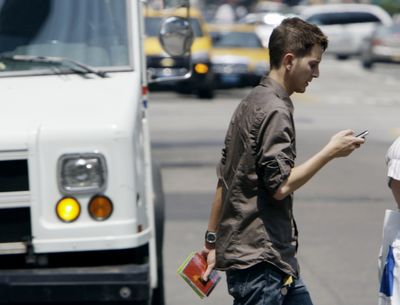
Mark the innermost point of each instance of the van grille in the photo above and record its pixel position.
(15, 225)
(14, 176)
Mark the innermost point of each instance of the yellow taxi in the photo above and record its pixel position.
(238, 57)
(159, 63)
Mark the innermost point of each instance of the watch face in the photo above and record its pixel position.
(211, 237)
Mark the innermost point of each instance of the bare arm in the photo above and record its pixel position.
(395, 186)
(215, 214)
(215, 209)
(341, 144)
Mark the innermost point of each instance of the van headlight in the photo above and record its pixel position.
(82, 173)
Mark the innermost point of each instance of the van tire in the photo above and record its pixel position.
(159, 209)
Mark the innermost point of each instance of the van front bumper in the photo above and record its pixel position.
(126, 283)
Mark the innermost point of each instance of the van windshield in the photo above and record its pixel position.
(91, 32)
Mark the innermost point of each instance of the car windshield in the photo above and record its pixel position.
(343, 18)
(153, 26)
(91, 32)
(236, 40)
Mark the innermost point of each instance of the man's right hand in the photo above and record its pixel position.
(210, 258)
(343, 144)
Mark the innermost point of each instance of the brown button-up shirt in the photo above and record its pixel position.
(258, 156)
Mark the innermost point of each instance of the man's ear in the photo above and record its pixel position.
(288, 60)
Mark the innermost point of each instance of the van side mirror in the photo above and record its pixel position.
(176, 36)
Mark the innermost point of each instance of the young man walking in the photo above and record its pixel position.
(252, 234)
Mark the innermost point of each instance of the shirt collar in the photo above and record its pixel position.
(267, 81)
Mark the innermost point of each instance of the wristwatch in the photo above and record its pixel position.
(210, 239)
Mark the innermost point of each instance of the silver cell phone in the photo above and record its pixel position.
(362, 134)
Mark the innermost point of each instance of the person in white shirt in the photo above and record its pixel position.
(388, 267)
(393, 165)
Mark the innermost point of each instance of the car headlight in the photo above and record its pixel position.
(82, 173)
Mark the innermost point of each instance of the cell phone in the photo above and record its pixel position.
(362, 134)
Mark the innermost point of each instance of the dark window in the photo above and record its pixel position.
(15, 225)
(343, 18)
(236, 40)
(14, 176)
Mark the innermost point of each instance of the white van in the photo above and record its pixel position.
(81, 206)
(346, 25)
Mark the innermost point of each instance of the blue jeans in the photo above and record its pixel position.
(262, 284)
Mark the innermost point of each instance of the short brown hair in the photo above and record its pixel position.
(296, 36)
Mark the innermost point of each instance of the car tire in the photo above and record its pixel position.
(342, 56)
(206, 93)
(184, 89)
(367, 64)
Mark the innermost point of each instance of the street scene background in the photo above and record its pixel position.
(339, 212)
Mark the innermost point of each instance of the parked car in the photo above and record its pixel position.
(270, 6)
(201, 82)
(272, 18)
(346, 24)
(238, 56)
(265, 23)
(382, 46)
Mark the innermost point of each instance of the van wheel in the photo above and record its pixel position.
(159, 207)
(367, 64)
(158, 293)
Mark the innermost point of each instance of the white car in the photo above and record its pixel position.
(265, 23)
(346, 25)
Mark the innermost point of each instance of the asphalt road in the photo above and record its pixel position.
(339, 212)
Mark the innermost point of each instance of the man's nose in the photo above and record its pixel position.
(316, 73)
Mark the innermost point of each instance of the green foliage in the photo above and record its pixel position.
(391, 6)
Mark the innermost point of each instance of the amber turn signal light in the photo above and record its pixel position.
(201, 68)
(100, 207)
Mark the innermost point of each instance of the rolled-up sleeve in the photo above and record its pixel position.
(275, 149)
(220, 166)
(222, 162)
